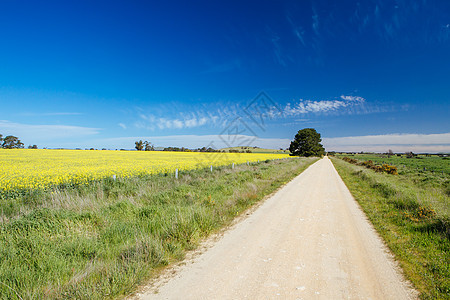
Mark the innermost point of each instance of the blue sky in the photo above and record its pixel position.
(368, 75)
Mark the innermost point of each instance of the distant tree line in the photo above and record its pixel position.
(237, 151)
(183, 149)
(204, 149)
(147, 146)
(390, 153)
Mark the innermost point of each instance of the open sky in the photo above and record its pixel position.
(368, 75)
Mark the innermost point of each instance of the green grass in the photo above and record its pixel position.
(102, 240)
(412, 219)
(431, 173)
(421, 164)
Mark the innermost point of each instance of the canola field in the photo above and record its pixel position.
(43, 168)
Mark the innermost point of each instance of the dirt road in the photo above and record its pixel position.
(308, 241)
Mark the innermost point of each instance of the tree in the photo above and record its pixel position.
(32, 147)
(1, 139)
(390, 153)
(11, 142)
(148, 146)
(139, 145)
(307, 143)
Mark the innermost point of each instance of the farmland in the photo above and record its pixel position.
(98, 237)
(421, 164)
(430, 173)
(39, 169)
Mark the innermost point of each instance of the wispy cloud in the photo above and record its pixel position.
(322, 106)
(299, 32)
(353, 99)
(152, 123)
(315, 23)
(220, 115)
(396, 142)
(39, 133)
(276, 43)
(122, 125)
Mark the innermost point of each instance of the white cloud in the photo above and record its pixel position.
(151, 122)
(39, 133)
(194, 122)
(203, 121)
(353, 98)
(191, 123)
(178, 124)
(221, 115)
(322, 106)
(123, 125)
(395, 142)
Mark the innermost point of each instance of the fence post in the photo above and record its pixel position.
(176, 173)
(114, 177)
(232, 166)
(211, 168)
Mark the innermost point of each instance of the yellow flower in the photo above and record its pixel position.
(40, 169)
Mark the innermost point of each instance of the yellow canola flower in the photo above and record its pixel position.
(42, 168)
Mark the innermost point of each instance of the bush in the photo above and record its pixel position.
(390, 169)
(367, 164)
(370, 165)
(377, 168)
(350, 160)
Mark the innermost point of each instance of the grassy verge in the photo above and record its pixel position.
(420, 165)
(101, 240)
(422, 170)
(413, 221)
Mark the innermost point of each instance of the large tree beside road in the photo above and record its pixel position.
(307, 143)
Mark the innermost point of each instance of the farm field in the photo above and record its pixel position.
(102, 239)
(411, 211)
(431, 175)
(38, 169)
(422, 164)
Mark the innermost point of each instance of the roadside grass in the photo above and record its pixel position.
(101, 240)
(420, 165)
(412, 219)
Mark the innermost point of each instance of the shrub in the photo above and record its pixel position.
(370, 165)
(390, 169)
(350, 160)
(377, 168)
